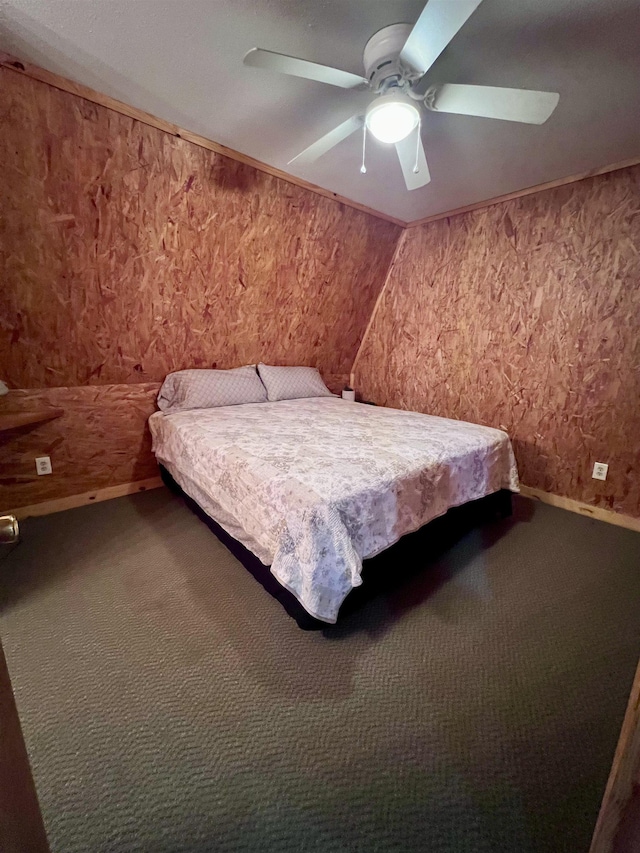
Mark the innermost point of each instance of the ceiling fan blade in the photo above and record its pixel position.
(258, 58)
(521, 105)
(328, 141)
(435, 28)
(407, 149)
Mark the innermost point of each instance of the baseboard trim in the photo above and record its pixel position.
(72, 501)
(582, 508)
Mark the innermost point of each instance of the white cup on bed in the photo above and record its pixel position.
(349, 394)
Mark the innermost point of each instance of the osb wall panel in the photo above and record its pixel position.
(126, 253)
(101, 440)
(526, 316)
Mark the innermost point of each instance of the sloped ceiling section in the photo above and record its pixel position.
(182, 61)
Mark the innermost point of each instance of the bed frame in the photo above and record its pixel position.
(380, 573)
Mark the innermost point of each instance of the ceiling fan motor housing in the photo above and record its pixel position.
(382, 65)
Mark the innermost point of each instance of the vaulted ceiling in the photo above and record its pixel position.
(181, 60)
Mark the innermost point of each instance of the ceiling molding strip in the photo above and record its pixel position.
(538, 188)
(42, 75)
(57, 81)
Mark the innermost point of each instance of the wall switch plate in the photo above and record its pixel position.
(600, 471)
(43, 464)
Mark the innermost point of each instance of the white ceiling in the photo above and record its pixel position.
(182, 61)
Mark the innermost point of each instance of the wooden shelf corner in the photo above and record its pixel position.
(12, 420)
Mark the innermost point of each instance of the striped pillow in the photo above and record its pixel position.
(207, 389)
(291, 383)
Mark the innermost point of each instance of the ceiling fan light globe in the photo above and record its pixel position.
(391, 121)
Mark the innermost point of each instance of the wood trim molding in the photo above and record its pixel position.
(60, 504)
(12, 420)
(537, 188)
(582, 508)
(12, 63)
(618, 825)
(378, 301)
(19, 66)
(72, 501)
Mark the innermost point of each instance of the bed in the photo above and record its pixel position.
(314, 486)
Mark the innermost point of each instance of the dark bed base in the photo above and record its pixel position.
(380, 573)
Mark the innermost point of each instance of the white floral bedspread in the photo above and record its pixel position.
(314, 486)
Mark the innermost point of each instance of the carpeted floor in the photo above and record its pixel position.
(169, 704)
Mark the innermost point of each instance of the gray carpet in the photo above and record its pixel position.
(169, 704)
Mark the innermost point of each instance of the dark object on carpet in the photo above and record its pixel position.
(21, 826)
(169, 705)
(380, 573)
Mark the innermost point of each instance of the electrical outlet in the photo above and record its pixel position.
(43, 464)
(600, 471)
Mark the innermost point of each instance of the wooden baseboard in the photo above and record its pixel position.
(582, 508)
(72, 501)
(60, 504)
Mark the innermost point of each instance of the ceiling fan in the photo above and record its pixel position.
(396, 61)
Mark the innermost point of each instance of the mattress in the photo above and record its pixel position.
(313, 487)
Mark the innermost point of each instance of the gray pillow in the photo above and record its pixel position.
(207, 389)
(292, 383)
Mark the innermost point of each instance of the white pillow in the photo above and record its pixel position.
(291, 383)
(207, 389)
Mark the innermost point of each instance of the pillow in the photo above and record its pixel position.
(206, 389)
(291, 383)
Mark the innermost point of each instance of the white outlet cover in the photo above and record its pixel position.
(600, 470)
(43, 464)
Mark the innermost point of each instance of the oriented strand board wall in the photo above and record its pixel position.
(526, 316)
(126, 253)
(100, 441)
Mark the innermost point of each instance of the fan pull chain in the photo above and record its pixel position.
(416, 168)
(363, 168)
